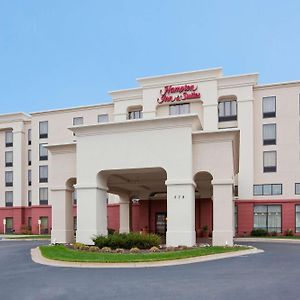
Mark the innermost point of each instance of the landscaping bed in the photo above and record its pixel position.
(68, 253)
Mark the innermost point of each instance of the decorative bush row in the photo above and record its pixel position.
(263, 232)
(127, 241)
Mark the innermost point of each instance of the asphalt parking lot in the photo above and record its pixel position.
(273, 274)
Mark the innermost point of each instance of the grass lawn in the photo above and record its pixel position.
(17, 237)
(60, 252)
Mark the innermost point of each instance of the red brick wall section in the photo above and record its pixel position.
(113, 211)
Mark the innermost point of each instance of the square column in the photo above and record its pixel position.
(91, 213)
(124, 207)
(62, 218)
(180, 213)
(222, 213)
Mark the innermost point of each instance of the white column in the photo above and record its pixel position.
(222, 213)
(124, 214)
(19, 161)
(62, 217)
(180, 213)
(91, 213)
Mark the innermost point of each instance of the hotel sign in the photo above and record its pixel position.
(178, 93)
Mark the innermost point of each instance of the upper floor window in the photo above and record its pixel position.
(43, 173)
(8, 159)
(179, 109)
(227, 110)
(43, 128)
(267, 189)
(29, 136)
(135, 114)
(297, 188)
(43, 196)
(74, 198)
(29, 198)
(9, 198)
(29, 177)
(103, 118)
(269, 134)
(77, 121)
(43, 152)
(29, 157)
(9, 138)
(269, 107)
(270, 161)
(8, 178)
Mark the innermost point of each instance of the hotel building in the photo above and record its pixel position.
(177, 155)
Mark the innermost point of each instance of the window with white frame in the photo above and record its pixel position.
(179, 109)
(29, 177)
(8, 178)
(267, 189)
(135, 114)
(269, 107)
(227, 110)
(77, 121)
(103, 118)
(43, 152)
(43, 129)
(8, 159)
(29, 136)
(270, 161)
(297, 188)
(29, 196)
(297, 218)
(9, 198)
(29, 157)
(74, 198)
(269, 134)
(9, 138)
(43, 173)
(267, 217)
(43, 196)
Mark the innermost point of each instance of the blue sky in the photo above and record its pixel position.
(63, 53)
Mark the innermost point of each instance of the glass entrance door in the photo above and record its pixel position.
(161, 223)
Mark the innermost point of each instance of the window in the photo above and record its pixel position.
(8, 178)
(29, 157)
(269, 134)
(135, 114)
(8, 159)
(9, 138)
(43, 127)
(236, 191)
(9, 225)
(179, 109)
(297, 188)
(43, 196)
(297, 218)
(29, 198)
(103, 118)
(43, 152)
(235, 217)
(267, 189)
(74, 198)
(270, 164)
(44, 225)
(75, 223)
(77, 121)
(227, 111)
(9, 198)
(269, 107)
(43, 173)
(267, 217)
(29, 136)
(29, 177)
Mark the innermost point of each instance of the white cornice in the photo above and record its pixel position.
(277, 85)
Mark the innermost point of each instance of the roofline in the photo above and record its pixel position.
(267, 85)
(82, 107)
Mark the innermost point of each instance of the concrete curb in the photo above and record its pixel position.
(268, 240)
(38, 258)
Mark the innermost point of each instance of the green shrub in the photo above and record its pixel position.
(78, 246)
(289, 232)
(110, 231)
(259, 232)
(127, 241)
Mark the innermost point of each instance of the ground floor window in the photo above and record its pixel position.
(44, 225)
(267, 217)
(9, 225)
(297, 218)
(235, 217)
